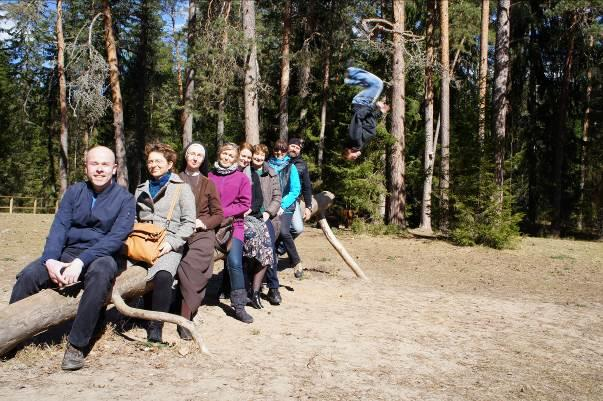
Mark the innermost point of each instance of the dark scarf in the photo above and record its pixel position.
(156, 185)
(219, 170)
(257, 199)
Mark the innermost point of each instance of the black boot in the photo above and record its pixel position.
(185, 333)
(274, 296)
(239, 300)
(255, 300)
(154, 331)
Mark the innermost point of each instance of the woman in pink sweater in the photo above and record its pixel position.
(235, 195)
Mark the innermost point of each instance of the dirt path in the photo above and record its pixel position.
(436, 322)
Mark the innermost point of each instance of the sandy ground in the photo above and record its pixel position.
(435, 322)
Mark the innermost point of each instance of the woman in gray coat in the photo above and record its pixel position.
(153, 200)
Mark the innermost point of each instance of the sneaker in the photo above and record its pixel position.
(274, 296)
(298, 271)
(73, 358)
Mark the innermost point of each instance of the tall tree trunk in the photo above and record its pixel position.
(445, 118)
(252, 124)
(177, 59)
(64, 139)
(397, 201)
(141, 86)
(189, 86)
(285, 72)
(323, 110)
(585, 128)
(499, 95)
(306, 62)
(483, 72)
(559, 130)
(222, 96)
(118, 110)
(429, 156)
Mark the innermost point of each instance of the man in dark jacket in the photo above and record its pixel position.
(367, 111)
(295, 147)
(83, 244)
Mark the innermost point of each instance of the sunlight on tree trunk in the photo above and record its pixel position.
(189, 86)
(429, 155)
(483, 72)
(285, 71)
(118, 111)
(445, 116)
(397, 201)
(64, 139)
(252, 124)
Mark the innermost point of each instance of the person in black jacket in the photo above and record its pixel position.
(84, 244)
(367, 111)
(297, 224)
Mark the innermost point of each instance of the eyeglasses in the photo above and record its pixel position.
(280, 151)
(157, 162)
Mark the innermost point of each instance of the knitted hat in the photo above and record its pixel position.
(296, 141)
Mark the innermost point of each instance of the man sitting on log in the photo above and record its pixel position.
(83, 244)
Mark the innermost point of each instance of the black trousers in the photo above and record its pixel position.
(98, 279)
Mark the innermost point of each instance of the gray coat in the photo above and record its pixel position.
(181, 225)
(271, 190)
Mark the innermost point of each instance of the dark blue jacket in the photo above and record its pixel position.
(99, 231)
(363, 126)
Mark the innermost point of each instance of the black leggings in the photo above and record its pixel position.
(160, 298)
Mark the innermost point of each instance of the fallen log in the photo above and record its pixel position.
(35, 314)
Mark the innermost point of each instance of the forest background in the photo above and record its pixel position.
(495, 127)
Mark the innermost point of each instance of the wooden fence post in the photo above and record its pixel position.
(35, 205)
(10, 206)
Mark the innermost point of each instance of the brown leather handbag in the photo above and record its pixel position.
(144, 242)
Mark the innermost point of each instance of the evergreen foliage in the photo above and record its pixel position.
(321, 30)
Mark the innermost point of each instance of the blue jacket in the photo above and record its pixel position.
(99, 230)
(289, 179)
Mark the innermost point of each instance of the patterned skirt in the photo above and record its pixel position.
(257, 244)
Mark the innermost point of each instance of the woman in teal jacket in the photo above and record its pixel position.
(290, 188)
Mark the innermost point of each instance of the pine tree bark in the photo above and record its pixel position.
(499, 96)
(560, 128)
(141, 86)
(397, 201)
(306, 62)
(585, 129)
(222, 98)
(189, 86)
(252, 124)
(483, 72)
(285, 73)
(429, 155)
(323, 109)
(64, 138)
(445, 118)
(118, 110)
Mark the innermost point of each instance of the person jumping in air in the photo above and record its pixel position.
(367, 110)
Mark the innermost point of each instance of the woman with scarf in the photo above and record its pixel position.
(196, 266)
(154, 199)
(235, 195)
(290, 189)
(258, 249)
(271, 194)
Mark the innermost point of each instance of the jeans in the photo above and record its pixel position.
(297, 221)
(98, 279)
(234, 263)
(287, 239)
(272, 271)
(373, 85)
